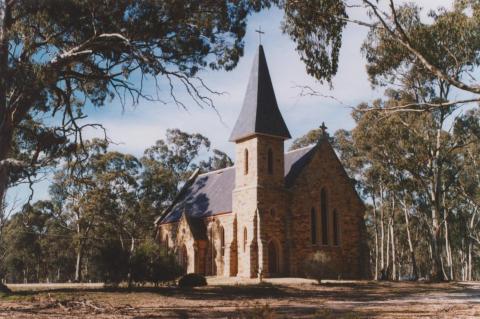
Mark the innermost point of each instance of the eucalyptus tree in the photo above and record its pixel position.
(81, 198)
(168, 164)
(468, 192)
(444, 46)
(122, 217)
(56, 57)
(217, 160)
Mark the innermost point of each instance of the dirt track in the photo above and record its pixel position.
(282, 299)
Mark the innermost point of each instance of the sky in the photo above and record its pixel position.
(135, 128)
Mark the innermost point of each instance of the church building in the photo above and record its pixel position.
(271, 211)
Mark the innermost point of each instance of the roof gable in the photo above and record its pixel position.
(205, 196)
(324, 149)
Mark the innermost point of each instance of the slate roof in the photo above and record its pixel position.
(211, 193)
(260, 113)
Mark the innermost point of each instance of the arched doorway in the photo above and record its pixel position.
(183, 258)
(273, 260)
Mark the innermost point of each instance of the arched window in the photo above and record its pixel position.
(336, 230)
(270, 161)
(313, 226)
(222, 241)
(244, 239)
(324, 212)
(245, 160)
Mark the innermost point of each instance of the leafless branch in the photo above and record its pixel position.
(306, 90)
(420, 106)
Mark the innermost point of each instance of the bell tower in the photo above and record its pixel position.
(259, 136)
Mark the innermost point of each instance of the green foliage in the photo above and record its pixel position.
(311, 138)
(37, 246)
(450, 42)
(316, 27)
(98, 224)
(57, 56)
(150, 263)
(192, 280)
(169, 163)
(219, 160)
(110, 262)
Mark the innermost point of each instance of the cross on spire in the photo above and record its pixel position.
(260, 32)
(323, 127)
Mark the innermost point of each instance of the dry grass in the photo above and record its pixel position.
(288, 298)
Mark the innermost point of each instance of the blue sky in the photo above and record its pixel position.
(135, 128)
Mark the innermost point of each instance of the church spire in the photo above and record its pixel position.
(260, 113)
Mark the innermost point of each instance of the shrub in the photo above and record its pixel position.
(319, 266)
(192, 280)
(150, 263)
(4, 290)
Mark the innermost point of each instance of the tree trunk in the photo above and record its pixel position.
(387, 259)
(78, 263)
(5, 120)
(6, 131)
(5, 145)
(376, 235)
(448, 252)
(382, 234)
(394, 266)
(410, 245)
(129, 276)
(437, 273)
(436, 214)
(470, 265)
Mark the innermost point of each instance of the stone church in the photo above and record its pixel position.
(273, 209)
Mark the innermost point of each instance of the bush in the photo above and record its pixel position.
(319, 266)
(4, 290)
(150, 264)
(114, 264)
(192, 280)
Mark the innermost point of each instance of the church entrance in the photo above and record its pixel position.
(183, 258)
(273, 260)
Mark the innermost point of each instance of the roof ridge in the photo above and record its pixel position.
(217, 170)
(301, 148)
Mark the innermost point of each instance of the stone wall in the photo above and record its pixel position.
(204, 256)
(257, 194)
(325, 171)
(270, 213)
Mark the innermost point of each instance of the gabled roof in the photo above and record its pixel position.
(260, 113)
(211, 193)
(294, 164)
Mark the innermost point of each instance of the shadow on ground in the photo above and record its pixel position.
(331, 300)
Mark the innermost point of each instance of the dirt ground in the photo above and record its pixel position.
(279, 298)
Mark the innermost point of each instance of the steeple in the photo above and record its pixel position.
(260, 113)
